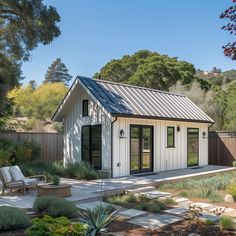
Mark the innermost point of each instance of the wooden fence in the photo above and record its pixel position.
(222, 148)
(51, 143)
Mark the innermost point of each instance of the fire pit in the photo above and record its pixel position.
(61, 190)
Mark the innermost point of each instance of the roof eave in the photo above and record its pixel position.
(160, 118)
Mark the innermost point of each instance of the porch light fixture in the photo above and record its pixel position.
(178, 128)
(204, 134)
(122, 134)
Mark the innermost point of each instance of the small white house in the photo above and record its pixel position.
(131, 130)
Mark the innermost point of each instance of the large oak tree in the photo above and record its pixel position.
(148, 69)
(23, 25)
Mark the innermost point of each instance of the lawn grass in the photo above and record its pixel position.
(141, 202)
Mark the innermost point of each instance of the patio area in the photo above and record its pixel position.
(85, 191)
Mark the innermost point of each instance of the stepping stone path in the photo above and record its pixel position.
(130, 213)
(154, 221)
(93, 205)
(155, 194)
(177, 210)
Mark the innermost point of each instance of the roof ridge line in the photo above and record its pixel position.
(134, 86)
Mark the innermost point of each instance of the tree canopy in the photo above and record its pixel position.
(23, 25)
(57, 72)
(148, 69)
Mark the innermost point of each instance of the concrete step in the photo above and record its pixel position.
(140, 190)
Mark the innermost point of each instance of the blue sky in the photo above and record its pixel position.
(96, 31)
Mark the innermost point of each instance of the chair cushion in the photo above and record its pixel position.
(30, 181)
(5, 172)
(16, 173)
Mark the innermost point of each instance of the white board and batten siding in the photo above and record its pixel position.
(163, 158)
(73, 122)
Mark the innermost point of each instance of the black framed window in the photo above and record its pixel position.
(85, 107)
(170, 136)
(92, 145)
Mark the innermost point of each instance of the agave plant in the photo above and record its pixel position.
(97, 219)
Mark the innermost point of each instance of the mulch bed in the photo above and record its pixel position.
(181, 228)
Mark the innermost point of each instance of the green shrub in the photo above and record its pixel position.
(168, 201)
(5, 157)
(86, 171)
(231, 189)
(55, 179)
(142, 207)
(30, 124)
(48, 168)
(98, 219)
(15, 154)
(71, 169)
(215, 197)
(55, 206)
(12, 218)
(219, 182)
(60, 226)
(183, 194)
(83, 170)
(234, 163)
(208, 222)
(227, 223)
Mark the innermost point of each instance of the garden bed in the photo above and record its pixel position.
(141, 202)
(209, 190)
(183, 228)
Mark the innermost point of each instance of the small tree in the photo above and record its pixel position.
(57, 72)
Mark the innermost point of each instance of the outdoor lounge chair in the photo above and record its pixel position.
(12, 178)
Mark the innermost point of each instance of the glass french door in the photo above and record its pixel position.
(141, 149)
(192, 147)
(92, 145)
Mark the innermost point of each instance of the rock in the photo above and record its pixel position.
(193, 234)
(229, 198)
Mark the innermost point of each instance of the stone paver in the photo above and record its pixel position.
(203, 205)
(155, 194)
(92, 205)
(177, 210)
(231, 213)
(154, 221)
(130, 213)
(180, 199)
(206, 216)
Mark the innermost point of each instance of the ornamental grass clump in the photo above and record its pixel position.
(12, 218)
(227, 223)
(55, 206)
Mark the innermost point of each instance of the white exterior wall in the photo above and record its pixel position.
(72, 128)
(163, 158)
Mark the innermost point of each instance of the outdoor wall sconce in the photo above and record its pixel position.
(178, 128)
(204, 135)
(122, 134)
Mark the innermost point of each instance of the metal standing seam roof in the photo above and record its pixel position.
(133, 101)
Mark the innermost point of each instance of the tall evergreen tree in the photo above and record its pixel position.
(57, 72)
